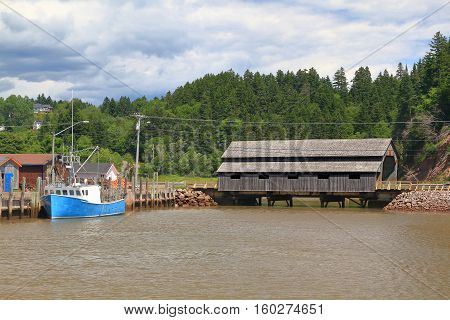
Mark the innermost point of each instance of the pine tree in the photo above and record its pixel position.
(400, 71)
(361, 90)
(436, 62)
(340, 83)
(406, 103)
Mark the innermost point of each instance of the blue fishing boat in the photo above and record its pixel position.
(72, 199)
(78, 201)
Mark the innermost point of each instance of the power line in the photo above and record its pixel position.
(285, 150)
(71, 49)
(398, 36)
(199, 131)
(258, 123)
(293, 123)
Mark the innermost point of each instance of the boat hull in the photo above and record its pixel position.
(59, 207)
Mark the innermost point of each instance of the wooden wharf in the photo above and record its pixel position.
(150, 194)
(21, 203)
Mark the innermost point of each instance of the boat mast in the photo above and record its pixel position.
(71, 149)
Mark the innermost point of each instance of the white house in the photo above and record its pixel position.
(42, 108)
(97, 170)
(37, 125)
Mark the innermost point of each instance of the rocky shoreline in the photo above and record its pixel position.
(185, 198)
(421, 201)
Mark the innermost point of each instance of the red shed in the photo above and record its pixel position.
(33, 166)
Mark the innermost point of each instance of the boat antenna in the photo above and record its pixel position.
(71, 149)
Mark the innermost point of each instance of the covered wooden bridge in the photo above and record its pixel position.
(332, 169)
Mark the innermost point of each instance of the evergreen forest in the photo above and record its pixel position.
(186, 131)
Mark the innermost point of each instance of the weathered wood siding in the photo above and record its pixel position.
(337, 182)
(11, 167)
(32, 173)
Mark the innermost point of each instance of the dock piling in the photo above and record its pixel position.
(39, 188)
(140, 193)
(146, 192)
(22, 198)
(10, 204)
(133, 189)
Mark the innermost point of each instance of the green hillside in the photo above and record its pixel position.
(190, 127)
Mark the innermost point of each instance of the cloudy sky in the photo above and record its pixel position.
(156, 46)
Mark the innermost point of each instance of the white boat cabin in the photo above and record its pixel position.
(90, 193)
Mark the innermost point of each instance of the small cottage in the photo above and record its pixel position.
(9, 170)
(94, 171)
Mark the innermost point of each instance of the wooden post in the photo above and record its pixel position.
(157, 189)
(109, 189)
(119, 188)
(22, 198)
(10, 202)
(1, 196)
(140, 192)
(173, 195)
(126, 187)
(39, 189)
(133, 188)
(166, 203)
(152, 197)
(156, 198)
(146, 192)
(153, 200)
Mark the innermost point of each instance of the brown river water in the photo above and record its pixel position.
(229, 253)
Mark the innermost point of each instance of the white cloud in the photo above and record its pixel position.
(156, 46)
(32, 88)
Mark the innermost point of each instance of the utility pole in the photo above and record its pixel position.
(138, 132)
(53, 158)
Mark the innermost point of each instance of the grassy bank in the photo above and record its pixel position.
(187, 179)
